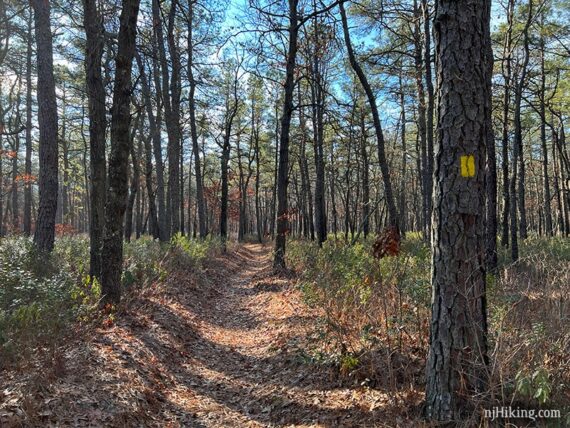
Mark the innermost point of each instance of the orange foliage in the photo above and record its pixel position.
(64, 229)
(10, 154)
(387, 243)
(26, 178)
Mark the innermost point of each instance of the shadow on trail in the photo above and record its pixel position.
(170, 353)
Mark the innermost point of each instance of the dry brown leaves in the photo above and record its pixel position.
(214, 348)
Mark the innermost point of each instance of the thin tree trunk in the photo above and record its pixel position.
(429, 116)
(193, 132)
(393, 215)
(155, 135)
(506, 65)
(518, 140)
(421, 120)
(542, 96)
(402, 202)
(134, 183)
(97, 127)
(28, 161)
(283, 171)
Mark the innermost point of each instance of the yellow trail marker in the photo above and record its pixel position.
(468, 166)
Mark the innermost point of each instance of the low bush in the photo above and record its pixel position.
(381, 308)
(367, 306)
(41, 298)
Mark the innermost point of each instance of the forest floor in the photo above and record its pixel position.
(219, 346)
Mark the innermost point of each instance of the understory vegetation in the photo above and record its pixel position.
(373, 325)
(43, 299)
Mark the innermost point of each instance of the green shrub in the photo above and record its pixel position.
(143, 262)
(363, 301)
(38, 296)
(194, 251)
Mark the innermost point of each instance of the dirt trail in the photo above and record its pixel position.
(215, 348)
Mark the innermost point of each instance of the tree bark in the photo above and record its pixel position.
(518, 140)
(155, 135)
(44, 236)
(456, 366)
(365, 177)
(506, 70)
(283, 169)
(542, 96)
(28, 161)
(134, 186)
(421, 119)
(117, 189)
(429, 117)
(172, 116)
(97, 127)
(193, 132)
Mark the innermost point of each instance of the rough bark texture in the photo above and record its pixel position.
(456, 367)
(47, 119)
(283, 169)
(117, 190)
(97, 128)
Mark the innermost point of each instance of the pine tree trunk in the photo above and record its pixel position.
(283, 169)
(365, 177)
(97, 128)
(421, 119)
(193, 131)
(429, 117)
(546, 178)
(172, 117)
(154, 133)
(28, 161)
(456, 367)
(117, 188)
(506, 65)
(44, 237)
(389, 196)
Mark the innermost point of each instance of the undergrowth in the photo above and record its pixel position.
(42, 298)
(373, 324)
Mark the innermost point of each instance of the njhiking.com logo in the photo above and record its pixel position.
(508, 412)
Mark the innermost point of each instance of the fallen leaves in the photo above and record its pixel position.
(213, 348)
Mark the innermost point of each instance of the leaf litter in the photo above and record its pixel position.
(211, 347)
